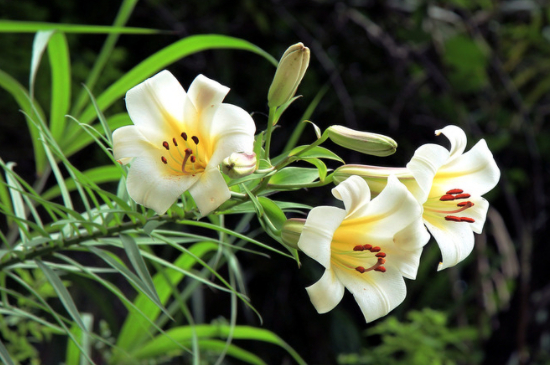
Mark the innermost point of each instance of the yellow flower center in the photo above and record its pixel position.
(446, 206)
(182, 156)
(356, 257)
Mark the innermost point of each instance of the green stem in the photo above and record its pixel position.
(269, 131)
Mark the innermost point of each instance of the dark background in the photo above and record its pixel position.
(401, 68)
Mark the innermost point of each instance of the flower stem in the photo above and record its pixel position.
(269, 131)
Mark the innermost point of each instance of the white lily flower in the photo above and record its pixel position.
(368, 247)
(178, 140)
(449, 185)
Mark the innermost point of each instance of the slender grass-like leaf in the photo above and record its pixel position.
(134, 254)
(22, 97)
(163, 58)
(39, 45)
(4, 354)
(124, 13)
(73, 354)
(62, 293)
(135, 327)
(15, 26)
(5, 197)
(96, 175)
(17, 201)
(50, 310)
(101, 117)
(60, 65)
(16, 312)
(315, 152)
(158, 345)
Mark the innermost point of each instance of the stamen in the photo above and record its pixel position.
(175, 143)
(193, 159)
(447, 197)
(188, 153)
(358, 248)
(361, 269)
(467, 219)
(375, 249)
(381, 261)
(452, 218)
(195, 139)
(455, 191)
(184, 136)
(380, 269)
(164, 160)
(166, 145)
(367, 247)
(380, 254)
(462, 196)
(467, 204)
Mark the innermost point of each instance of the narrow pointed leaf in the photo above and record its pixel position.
(39, 44)
(60, 64)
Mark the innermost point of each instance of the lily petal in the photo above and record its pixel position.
(149, 185)
(377, 294)
(206, 96)
(210, 191)
(457, 137)
(355, 194)
(475, 171)
(478, 212)
(456, 241)
(317, 234)
(326, 293)
(232, 130)
(424, 165)
(129, 142)
(156, 105)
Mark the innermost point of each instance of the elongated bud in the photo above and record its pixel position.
(289, 74)
(292, 229)
(239, 164)
(364, 142)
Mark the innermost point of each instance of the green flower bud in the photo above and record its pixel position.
(364, 142)
(292, 229)
(239, 164)
(289, 74)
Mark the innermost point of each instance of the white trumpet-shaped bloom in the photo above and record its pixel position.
(449, 184)
(368, 247)
(178, 140)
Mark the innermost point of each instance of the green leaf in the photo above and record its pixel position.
(17, 200)
(247, 207)
(136, 328)
(22, 98)
(273, 212)
(15, 26)
(160, 345)
(321, 167)
(97, 175)
(315, 152)
(39, 44)
(134, 254)
(4, 354)
(60, 64)
(62, 293)
(294, 176)
(73, 354)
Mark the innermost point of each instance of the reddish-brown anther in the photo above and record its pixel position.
(195, 139)
(164, 160)
(193, 159)
(467, 219)
(184, 136)
(462, 196)
(367, 247)
(447, 197)
(361, 269)
(166, 145)
(467, 204)
(455, 191)
(380, 269)
(452, 218)
(358, 248)
(375, 249)
(175, 143)
(380, 254)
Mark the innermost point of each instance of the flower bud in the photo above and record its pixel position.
(375, 176)
(292, 229)
(289, 74)
(239, 164)
(364, 142)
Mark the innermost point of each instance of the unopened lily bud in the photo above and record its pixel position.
(289, 74)
(239, 164)
(292, 229)
(364, 142)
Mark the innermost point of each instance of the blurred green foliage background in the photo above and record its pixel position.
(403, 68)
